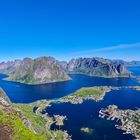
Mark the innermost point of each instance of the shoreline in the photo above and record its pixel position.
(61, 99)
(58, 119)
(76, 99)
(63, 80)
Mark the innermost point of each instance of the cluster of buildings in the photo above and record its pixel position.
(127, 120)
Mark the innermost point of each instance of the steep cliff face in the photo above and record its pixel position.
(97, 67)
(37, 71)
(46, 69)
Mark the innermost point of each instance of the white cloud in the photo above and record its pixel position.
(110, 48)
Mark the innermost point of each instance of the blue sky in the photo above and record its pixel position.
(70, 28)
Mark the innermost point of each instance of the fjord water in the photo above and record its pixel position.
(22, 93)
(135, 70)
(82, 115)
(86, 115)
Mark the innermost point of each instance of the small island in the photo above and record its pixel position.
(127, 120)
(90, 93)
(59, 120)
(86, 130)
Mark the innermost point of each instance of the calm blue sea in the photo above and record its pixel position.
(83, 115)
(135, 70)
(22, 93)
(86, 115)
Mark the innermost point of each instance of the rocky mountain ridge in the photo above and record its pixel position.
(97, 67)
(128, 63)
(34, 71)
(47, 69)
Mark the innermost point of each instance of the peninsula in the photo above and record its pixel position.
(90, 93)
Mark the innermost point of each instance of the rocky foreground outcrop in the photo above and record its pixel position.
(26, 121)
(97, 67)
(6, 113)
(34, 71)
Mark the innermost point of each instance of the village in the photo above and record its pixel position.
(126, 120)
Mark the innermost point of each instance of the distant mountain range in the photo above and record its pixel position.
(48, 69)
(128, 64)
